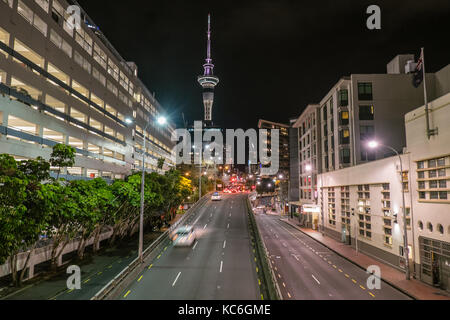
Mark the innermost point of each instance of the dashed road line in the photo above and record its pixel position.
(176, 279)
(126, 294)
(315, 279)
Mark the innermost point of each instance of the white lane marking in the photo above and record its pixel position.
(224, 244)
(230, 215)
(228, 226)
(205, 226)
(315, 279)
(296, 258)
(284, 245)
(221, 266)
(195, 245)
(176, 279)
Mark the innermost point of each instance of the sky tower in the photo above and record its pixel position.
(208, 80)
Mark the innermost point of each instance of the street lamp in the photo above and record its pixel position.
(374, 145)
(160, 121)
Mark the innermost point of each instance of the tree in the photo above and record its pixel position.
(35, 170)
(63, 156)
(22, 212)
(161, 163)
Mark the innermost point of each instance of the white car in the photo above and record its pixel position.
(184, 237)
(216, 197)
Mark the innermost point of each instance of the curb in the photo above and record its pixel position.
(354, 262)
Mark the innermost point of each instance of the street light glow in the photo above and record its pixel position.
(128, 120)
(308, 167)
(162, 121)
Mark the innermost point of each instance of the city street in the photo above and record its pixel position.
(219, 266)
(307, 270)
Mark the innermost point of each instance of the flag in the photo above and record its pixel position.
(418, 72)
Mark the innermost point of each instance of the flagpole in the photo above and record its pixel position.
(427, 113)
(430, 132)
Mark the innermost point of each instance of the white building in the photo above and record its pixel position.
(373, 192)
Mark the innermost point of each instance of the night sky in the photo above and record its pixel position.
(272, 57)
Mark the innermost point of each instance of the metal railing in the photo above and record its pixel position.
(118, 280)
(271, 287)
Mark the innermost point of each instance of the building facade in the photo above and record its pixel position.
(362, 205)
(334, 133)
(63, 84)
(283, 161)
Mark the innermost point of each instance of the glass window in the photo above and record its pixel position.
(343, 98)
(113, 70)
(366, 112)
(443, 195)
(421, 175)
(43, 4)
(443, 184)
(25, 12)
(420, 165)
(442, 173)
(344, 118)
(39, 24)
(433, 184)
(432, 174)
(441, 162)
(9, 2)
(100, 56)
(432, 163)
(367, 133)
(365, 91)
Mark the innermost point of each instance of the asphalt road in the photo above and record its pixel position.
(307, 270)
(219, 266)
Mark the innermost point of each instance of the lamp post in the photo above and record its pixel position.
(161, 121)
(374, 145)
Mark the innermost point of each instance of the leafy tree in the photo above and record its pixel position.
(63, 156)
(35, 170)
(161, 163)
(22, 213)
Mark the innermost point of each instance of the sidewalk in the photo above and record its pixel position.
(394, 277)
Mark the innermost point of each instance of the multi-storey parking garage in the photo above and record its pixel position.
(64, 84)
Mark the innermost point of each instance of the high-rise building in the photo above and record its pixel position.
(208, 80)
(67, 84)
(283, 160)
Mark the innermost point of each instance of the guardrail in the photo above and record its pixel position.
(270, 284)
(118, 280)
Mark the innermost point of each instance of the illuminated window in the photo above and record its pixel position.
(53, 135)
(99, 76)
(100, 56)
(57, 74)
(55, 104)
(74, 113)
(113, 70)
(84, 40)
(76, 143)
(28, 53)
(4, 38)
(43, 4)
